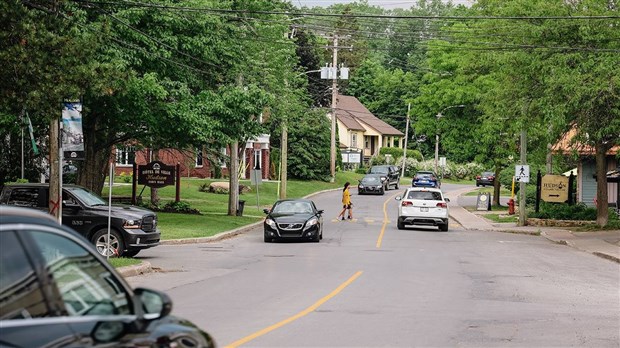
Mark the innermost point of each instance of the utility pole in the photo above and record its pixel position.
(523, 154)
(402, 175)
(283, 159)
(54, 164)
(332, 163)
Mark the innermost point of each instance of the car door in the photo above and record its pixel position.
(27, 313)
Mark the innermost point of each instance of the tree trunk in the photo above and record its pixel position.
(54, 192)
(154, 190)
(496, 186)
(233, 180)
(602, 211)
(95, 167)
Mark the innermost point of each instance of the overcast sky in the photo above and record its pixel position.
(389, 4)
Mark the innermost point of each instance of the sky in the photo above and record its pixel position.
(388, 4)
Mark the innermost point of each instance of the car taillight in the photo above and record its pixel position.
(406, 204)
(478, 177)
(442, 205)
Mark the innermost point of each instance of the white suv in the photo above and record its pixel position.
(423, 206)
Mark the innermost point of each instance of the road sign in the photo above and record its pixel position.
(522, 173)
(442, 161)
(554, 188)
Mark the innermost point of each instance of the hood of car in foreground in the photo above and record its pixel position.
(287, 218)
(124, 211)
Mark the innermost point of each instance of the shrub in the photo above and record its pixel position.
(179, 207)
(562, 211)
(361, 170)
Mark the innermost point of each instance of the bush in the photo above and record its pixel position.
(179, 207)
(125, 177)
(562, 211)
(361, 170)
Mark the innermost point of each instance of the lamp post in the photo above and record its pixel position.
(440, 115)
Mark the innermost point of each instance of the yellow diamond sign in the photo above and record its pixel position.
(554, 188)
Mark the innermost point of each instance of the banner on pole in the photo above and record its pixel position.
(72, 134)
(35, 149)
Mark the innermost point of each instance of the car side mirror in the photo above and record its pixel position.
(398, 198)
(70, 205)
(447, 199)
(155, 304)
(321, 211)
(266, 211)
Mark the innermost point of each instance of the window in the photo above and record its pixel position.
(20, 291)
(367, 142)
(354, 140)
(257, 159)
(199, 158)
(223, 157)
(84, 284)
(125, 155)
(24, 197)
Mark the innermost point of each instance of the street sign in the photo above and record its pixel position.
(522, 173)
(256, 177)
(554, 188)
(442, 161)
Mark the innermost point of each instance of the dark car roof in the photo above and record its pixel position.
(37, 184)
(22, 215)
(294, 200)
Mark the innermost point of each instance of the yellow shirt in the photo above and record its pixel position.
(346, 197)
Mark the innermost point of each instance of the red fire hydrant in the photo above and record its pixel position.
(511, 206)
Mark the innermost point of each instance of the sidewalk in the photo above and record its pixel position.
(605, 244)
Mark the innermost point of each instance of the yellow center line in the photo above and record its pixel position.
(296, 316)
(385, 219)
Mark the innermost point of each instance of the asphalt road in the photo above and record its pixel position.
(367, 284)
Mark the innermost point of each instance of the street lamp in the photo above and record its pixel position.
(440, 115)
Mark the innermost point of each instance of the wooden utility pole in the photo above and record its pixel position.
(332, 163)
(522, 217)
(283, 159)
(55, 198)
(402, 174)
(233, 180)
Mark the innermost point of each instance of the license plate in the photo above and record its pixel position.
(424, 209)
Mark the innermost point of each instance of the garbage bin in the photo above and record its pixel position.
(240, 208)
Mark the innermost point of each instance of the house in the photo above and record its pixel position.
(361, 131)
(586, 169)
(193, 162)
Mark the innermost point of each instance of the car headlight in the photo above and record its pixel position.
(360, 186)
(383, 178)
(271, 223)
(311, 223)
(130, 224)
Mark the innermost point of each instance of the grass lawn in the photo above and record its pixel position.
(502, 192)
(117, 262)
(501, 217)
(214, 207)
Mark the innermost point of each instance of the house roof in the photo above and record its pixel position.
(567, 144)
(352, 113)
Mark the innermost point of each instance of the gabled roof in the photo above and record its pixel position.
(567, 144)
(351, 112)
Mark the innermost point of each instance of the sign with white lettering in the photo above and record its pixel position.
(554, 188)
(156, 174)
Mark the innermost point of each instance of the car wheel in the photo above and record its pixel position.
(443, 227)
(267, 239)
(382, 191)
(131, 253)
(317, 237)
(397, 185)
(400, 225)
(116, 245)
(477, 185)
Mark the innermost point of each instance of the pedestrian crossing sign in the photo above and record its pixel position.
(522, 173)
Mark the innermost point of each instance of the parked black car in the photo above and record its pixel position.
(56, 291)
(293, 219)
(389, 175)
(132, 228)
(371, 183)
(485, 178)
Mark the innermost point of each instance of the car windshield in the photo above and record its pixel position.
(487, 174)
(88, 198)
(370, 180)
(425, 195)
(424, 176)
(291, 207)
(378, 170)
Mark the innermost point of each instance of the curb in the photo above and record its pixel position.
(131, 271)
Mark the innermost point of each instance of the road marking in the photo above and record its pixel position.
(385, 220)
(303, 313)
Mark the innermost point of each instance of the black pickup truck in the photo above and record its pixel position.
(390, 176)
(131, 229)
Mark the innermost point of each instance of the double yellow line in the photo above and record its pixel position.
(318, 303)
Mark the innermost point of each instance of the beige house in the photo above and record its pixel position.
(359, 129)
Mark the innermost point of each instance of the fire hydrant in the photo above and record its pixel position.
(511, 206)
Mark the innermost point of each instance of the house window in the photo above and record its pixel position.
(199, 158)
(257, 159)
(354, 140)
(223, 157)
(125, 156)
(367, 142)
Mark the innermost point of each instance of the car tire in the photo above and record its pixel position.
(100, 239)
(317, 238)
(443, 227)
(382, 192)
(400, 225)
(477, 185)
(131, 253)
(267, 239)
(397, 185)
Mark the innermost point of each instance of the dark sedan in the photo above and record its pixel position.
(293, 219)
(486, 178)
(371, 183)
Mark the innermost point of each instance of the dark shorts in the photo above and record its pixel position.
(346, 206)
